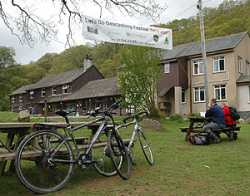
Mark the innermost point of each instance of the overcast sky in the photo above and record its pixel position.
(176, 9)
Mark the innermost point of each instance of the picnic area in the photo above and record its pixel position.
(180, 168)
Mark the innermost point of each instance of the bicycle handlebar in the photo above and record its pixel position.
(135, 116)
(108, 111)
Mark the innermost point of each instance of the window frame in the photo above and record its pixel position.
(53, 91)
(199, 90)
(218, 59)
(240, 65)
(183, 92)
(247, 67)
(198, 62)
(13, 99)
(31, 94)
(248, 93)
(166, 68)
(20, 98)
(66, 87)
(43, 92)
(219, 87)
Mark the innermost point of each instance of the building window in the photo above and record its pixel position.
(43, 92)
(248, 68)
(13, 99)
(240, 65)
(53, 91)
(166, 68)
(20, 99)
(219, 64)
(198, 67)
(183, 95)
(199, 94)
(32, 94)
(220, 92)
(66, 89)
(20, 108)
(248, 93)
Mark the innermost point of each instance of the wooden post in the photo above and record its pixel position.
(45, 110)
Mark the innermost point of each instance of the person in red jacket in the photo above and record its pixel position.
(229, 121)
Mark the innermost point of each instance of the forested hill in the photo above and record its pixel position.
(230, 17)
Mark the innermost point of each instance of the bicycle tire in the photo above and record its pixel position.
(117, 149)
(27, 167)
(146, 149)
(103, 162)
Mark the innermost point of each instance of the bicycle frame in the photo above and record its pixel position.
(135, 132)
(69, 136)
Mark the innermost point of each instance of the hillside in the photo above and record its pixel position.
(230, 17)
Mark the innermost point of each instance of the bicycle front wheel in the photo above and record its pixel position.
(146, 148)
(119, 155)
(101, 155)
(44, 162)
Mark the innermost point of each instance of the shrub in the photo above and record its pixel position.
(176, 117)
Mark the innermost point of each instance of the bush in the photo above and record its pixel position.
(176, 117)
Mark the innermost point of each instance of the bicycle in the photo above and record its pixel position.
(45, 158)
(138, 133)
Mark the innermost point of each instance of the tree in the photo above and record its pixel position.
(138, 76)
(27, 25)
(6, 57)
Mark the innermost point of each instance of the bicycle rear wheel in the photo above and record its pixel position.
(44, 162)
(117, 151)
(146, 148)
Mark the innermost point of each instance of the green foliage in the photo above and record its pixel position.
(6, 57)
(69, 59)
(176, 117)
(230, 17)
(8, 117)
(106, 57)
(138, 76)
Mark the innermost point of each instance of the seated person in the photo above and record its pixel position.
(215, 116)
(229, 121)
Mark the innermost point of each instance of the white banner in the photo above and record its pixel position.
(107, 31)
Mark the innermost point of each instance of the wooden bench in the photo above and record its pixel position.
(199, 130)
(5, 155)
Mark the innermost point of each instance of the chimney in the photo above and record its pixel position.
(87, 62)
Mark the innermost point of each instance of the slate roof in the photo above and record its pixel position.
(97, 88)
(212, 45)
(22, 89)
(59, 79)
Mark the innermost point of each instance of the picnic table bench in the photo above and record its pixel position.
(196, 124)
(16, 131)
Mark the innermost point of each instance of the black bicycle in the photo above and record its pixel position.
(45, 158)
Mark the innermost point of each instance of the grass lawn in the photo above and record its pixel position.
(180, 169)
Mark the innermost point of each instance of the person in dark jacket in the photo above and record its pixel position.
(215, 116)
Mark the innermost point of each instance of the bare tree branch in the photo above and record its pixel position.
(29, 27)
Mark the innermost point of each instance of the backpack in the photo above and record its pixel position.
(198, 139)
(235, 115)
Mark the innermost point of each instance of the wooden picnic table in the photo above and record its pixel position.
(196, 124)
(15, 132)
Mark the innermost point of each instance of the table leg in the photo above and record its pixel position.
(9, 143)
(20, 135)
